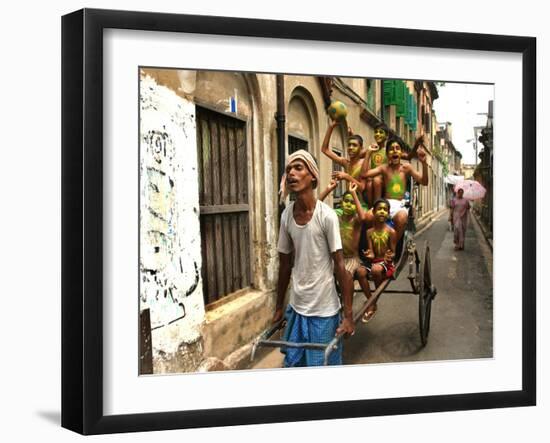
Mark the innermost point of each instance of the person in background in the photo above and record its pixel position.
(458, 216)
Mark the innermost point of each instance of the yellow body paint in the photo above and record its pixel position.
(379, 240)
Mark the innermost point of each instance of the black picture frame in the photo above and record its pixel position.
(82, 218)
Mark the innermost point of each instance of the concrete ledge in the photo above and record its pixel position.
(237, 323)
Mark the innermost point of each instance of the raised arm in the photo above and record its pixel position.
(418, 143)
(421, 179)
(327, 151)
(360, 211)
(331, 187)
(282, 284)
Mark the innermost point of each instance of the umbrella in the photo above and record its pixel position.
(473, 190)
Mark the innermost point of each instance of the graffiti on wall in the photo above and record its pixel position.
(170, 257)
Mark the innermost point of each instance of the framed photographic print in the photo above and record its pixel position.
(273, 221)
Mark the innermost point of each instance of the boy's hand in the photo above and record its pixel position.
(388, 256)
(421, 155)
(339, 175)
(334, 123)
(350, 132)
(333, 183)
(368, 253)
(419, 142)
(353, 188)
(373, 147)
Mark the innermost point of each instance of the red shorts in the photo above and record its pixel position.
(389, 269)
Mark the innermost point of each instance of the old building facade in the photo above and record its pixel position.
(212, 147)
(484, 172)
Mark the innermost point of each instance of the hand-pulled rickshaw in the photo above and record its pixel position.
(420, 278)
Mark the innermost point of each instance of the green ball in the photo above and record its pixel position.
(337, 110)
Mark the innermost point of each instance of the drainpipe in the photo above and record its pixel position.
(382, 101)
(280, 117)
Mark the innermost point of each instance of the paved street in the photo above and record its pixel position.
(461, 320)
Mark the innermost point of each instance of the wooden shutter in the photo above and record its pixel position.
(224, 208)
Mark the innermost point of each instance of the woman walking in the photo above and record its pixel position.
(458, 216)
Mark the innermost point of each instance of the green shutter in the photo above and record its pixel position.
(415, 115)
(400, 98)
(389, 92)
(410, 110)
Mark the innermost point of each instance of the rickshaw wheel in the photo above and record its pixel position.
(425, 295)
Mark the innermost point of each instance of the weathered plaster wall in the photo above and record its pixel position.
(170, 255)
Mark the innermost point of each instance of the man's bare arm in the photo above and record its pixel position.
(282, 284)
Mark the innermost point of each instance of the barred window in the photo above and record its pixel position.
(295, 144)
(224, 204)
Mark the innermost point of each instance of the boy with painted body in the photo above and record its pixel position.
(351, 217)
(395, 175)
(353, 166)
(382, 241)
(378, 157)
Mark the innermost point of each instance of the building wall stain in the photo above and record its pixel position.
(170, 257)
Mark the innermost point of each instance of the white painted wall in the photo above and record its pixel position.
(170, 255)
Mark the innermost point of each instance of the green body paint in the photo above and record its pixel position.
(396, 187)
(378, 158)
(346, 234)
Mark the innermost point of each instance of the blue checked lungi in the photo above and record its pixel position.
(303, 329)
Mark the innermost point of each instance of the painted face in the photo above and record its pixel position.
(380, 135)
(348, 205)
(381, 212)
(298, 176)
(353, 147)
(395, 152)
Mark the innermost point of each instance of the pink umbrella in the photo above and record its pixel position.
(473, 190)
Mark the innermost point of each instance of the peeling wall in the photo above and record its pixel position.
(170, 254)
